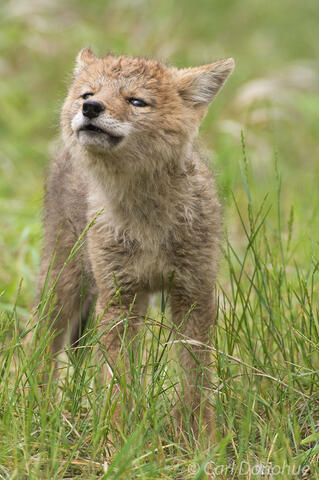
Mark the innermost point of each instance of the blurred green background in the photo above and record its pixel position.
(273, 97)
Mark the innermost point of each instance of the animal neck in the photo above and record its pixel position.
(136, 183)
(145, 199)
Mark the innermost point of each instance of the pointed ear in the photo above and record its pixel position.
(85, 57)
(200, 85)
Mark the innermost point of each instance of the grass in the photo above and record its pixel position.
(265, 350)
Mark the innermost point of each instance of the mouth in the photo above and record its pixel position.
(92, 129)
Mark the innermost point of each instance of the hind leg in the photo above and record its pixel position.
(80, 321)
(69, 291)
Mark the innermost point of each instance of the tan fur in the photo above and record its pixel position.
(161, 215)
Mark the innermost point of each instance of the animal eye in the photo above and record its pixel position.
(137, 102)
(87, 95)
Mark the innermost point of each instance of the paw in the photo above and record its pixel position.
(197, 424)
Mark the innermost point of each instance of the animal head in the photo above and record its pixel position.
(138, 104)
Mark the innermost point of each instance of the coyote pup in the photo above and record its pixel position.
(129, 126)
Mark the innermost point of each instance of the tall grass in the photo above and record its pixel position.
(265, 378)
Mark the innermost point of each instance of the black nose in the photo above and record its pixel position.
(92, 109)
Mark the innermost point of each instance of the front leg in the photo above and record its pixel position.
(118, 298)
(194, 316)
(117, 322)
